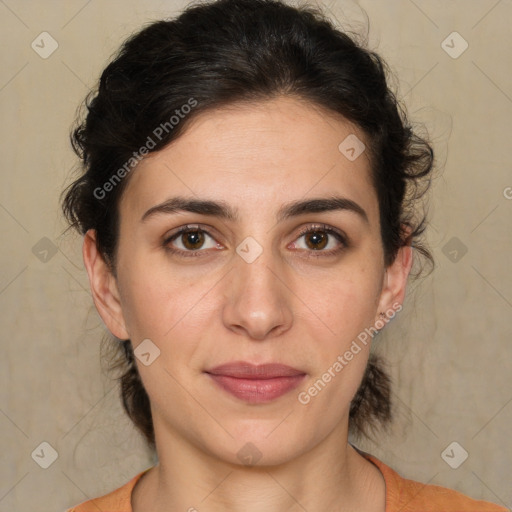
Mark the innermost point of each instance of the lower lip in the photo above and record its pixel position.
(257, 391)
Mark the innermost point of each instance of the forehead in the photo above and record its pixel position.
(257, 156)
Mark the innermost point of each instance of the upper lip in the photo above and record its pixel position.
(246, 370)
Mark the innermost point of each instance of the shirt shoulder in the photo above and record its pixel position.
(118, 500)
(410, 496)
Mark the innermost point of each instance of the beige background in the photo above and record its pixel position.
(449, 352)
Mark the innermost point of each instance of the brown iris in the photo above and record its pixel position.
(318, 240)
(193, 239)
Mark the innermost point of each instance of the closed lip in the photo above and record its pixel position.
(246, 370)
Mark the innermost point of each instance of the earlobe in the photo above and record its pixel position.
(103, 287)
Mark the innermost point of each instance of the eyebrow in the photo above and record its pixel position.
(223, 210)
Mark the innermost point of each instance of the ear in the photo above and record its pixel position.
(395, 278)
(103, 287)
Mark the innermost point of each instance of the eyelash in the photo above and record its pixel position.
(311, 229)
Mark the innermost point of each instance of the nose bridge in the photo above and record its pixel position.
(257, 279)
(257, 301)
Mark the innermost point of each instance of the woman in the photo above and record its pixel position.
(249, 203)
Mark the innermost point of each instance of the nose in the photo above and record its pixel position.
(257, 300)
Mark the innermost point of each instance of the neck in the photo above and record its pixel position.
(331, 476)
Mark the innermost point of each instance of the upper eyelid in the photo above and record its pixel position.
(323, 227)
(190, 227)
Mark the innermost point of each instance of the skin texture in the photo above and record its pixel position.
(292, 305)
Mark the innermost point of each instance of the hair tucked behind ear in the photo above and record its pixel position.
(371, 405)
(219, 53)
(119, 356)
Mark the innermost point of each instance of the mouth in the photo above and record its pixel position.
(256, 383)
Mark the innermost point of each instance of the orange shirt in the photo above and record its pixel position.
(402, 495)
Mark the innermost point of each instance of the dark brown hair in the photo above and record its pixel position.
(227, 51)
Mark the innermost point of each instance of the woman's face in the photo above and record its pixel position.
(248, 285)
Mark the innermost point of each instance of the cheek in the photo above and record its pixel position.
(347, 309)
(344, 302)
(157, 301)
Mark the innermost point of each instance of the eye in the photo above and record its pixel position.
(191, 240)
(322, 239)
(319, 240)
